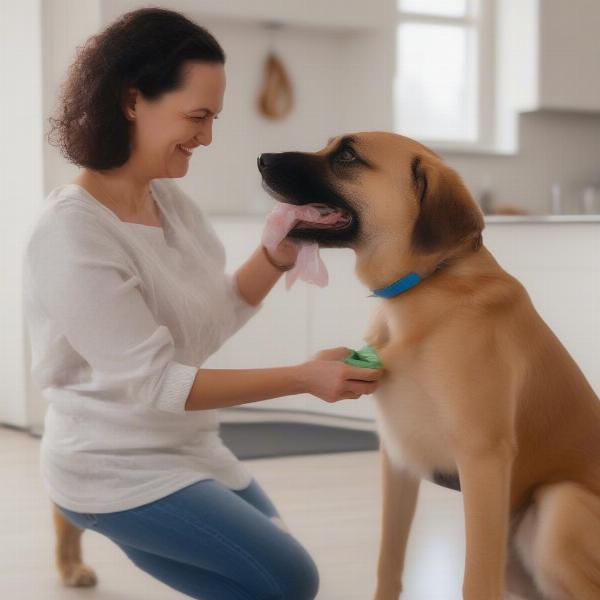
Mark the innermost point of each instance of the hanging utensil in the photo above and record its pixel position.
(275, 99)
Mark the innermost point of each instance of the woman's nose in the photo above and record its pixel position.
(264, 160)
(205, 136)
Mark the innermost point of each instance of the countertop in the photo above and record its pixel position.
(489, 219)
(583, 218)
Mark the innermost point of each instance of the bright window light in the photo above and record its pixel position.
(436, 83)
(448, 8)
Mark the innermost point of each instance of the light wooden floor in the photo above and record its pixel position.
(330, 503)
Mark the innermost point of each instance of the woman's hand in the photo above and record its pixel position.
(255, 278)
(286, 252)
(338, 353)
(329, 378)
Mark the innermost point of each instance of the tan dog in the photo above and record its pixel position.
(479, 393)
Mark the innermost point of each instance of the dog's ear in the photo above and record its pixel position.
(448, 214)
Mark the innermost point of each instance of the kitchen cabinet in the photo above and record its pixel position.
(569, 54)
(550, 54)
(557, 262)
(558, 265)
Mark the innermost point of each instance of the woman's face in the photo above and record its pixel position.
(164, 128)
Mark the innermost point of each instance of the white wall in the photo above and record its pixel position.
(20, 182)
(343, 82)
(66, 25)
(38, 41)
(561, 147)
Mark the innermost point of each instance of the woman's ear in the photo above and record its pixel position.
(129, 103)
(448, 214)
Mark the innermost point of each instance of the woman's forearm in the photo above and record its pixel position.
(217, 388)
(256, 277)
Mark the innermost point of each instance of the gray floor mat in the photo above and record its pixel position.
(274, 438)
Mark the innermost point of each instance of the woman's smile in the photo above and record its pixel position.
(185, 150)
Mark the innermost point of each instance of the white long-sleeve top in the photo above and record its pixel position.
(120, 317)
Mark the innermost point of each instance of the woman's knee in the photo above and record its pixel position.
(299, 580)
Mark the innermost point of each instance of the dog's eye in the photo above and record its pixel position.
(346, 155)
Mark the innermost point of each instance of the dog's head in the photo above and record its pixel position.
(398, 200)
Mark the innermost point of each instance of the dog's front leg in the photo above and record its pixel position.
(72, 570)
(399, 494)
(485, 484)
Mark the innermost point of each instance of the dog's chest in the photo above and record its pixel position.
(414, 431)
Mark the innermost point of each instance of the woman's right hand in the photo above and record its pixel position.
(329, 378)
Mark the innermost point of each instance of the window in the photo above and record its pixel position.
(444, 72)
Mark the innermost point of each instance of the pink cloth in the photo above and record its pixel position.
(309, 266)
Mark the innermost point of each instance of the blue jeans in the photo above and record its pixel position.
(213, 543)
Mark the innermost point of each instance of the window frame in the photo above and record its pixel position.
(480, 14)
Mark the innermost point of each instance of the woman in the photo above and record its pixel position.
(125, 293)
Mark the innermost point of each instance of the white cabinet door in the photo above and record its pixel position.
(558, 265)
(549, 54)
(569, 54)
(277, 335)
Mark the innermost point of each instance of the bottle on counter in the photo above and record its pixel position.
(591, 199)
(486, 202)
(556, 204)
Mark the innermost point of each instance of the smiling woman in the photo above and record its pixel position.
(126, 295)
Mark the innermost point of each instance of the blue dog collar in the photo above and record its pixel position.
(399, 286)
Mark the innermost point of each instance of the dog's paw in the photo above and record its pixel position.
(78, 575)
(389, 593)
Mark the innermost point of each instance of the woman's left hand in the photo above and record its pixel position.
(286, 252)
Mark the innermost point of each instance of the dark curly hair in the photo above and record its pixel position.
(145, 48)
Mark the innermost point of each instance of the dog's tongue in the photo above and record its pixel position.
(309, 266)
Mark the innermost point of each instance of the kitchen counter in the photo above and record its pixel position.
(583, 218)
(489, 219)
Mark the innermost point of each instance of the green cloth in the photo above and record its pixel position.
(366, 357)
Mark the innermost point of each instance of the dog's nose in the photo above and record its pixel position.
(264, 160)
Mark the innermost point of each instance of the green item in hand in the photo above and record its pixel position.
(366, 358)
